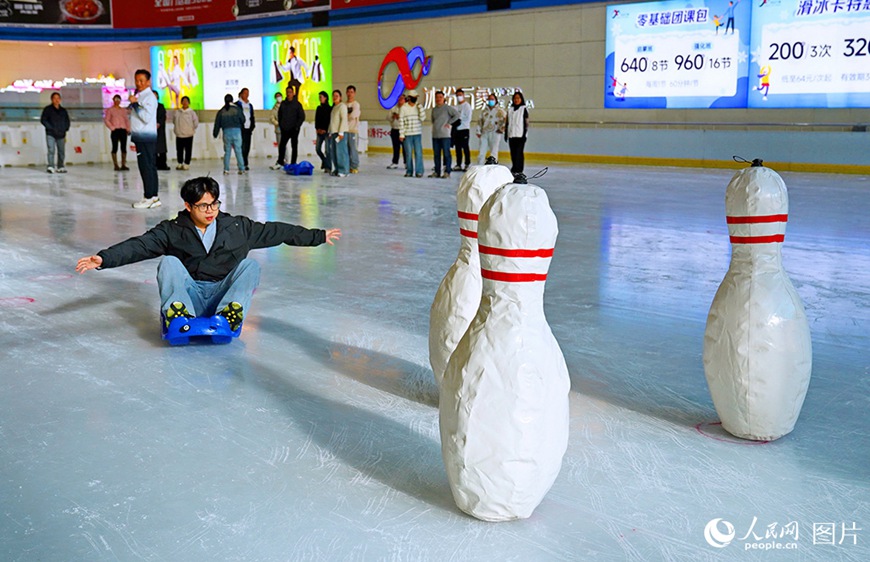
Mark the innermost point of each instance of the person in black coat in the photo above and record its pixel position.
(321, 125)
(291, 116)
(55, 119)
(249, 125)
(205, 269)
(161, 135)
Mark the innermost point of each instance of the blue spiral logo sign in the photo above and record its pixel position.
(405, 60)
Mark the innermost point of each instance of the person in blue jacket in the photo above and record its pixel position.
(204, 270)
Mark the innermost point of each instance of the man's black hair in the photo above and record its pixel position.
(143, 72)
(352, 87)
(193, 189)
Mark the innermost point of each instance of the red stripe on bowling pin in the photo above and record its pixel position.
(512, 277)
(470, 217)
(758, 239)
(514, 253)
(517, 253)
(758, 219)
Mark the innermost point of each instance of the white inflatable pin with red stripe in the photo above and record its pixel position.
(458, 295)
(757, 349)
(504, 396)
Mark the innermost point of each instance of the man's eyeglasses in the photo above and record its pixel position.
(213, 206)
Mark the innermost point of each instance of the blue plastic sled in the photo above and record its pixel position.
(215, 327)
(304, 168)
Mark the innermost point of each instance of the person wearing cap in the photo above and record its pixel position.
(411, 117)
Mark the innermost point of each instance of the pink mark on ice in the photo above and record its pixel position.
(16, 301)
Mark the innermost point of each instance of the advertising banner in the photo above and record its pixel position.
(176, 71)
(339, 4)
(303, 60)
(229, 66)
(168, 13)
(810, 53)
(90, 13)
(267, 8)
(677, 54)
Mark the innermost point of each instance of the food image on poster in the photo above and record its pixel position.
(230, 65)
(176, 71)
(91, 13)
(675, 54)
(301, 60)
(810, 53)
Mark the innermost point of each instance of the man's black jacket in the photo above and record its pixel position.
(291, 116)
(235, 237)
(55, 121)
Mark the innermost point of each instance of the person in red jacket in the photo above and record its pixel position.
(205, 269)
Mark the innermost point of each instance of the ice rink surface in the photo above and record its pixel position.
(315, 435)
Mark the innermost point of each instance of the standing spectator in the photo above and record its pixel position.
(516, 131)
(338, 135)
(55, 119)
(444, 117)
(353, 113)
(273, 118)
(321, 125)
(490, 128)
(291, 116)
(161, 136)
(186, 122)
(411, 118)
(143, 126)
(231, 120)
(249, 126)
(394, 134)
(118, 122)
(462, 132)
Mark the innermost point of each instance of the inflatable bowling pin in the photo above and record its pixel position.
(757, 348)
(504, 397)
(458, 295)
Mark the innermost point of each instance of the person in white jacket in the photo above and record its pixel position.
(462, 132)
(516, 131)
(185, 121)
(143, 124)
(490, 128)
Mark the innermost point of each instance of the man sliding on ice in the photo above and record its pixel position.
(205, 270)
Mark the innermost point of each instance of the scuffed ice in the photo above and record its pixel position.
(315, 435)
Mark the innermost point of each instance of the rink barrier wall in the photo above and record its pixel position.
(792, 151)
(23, 144)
